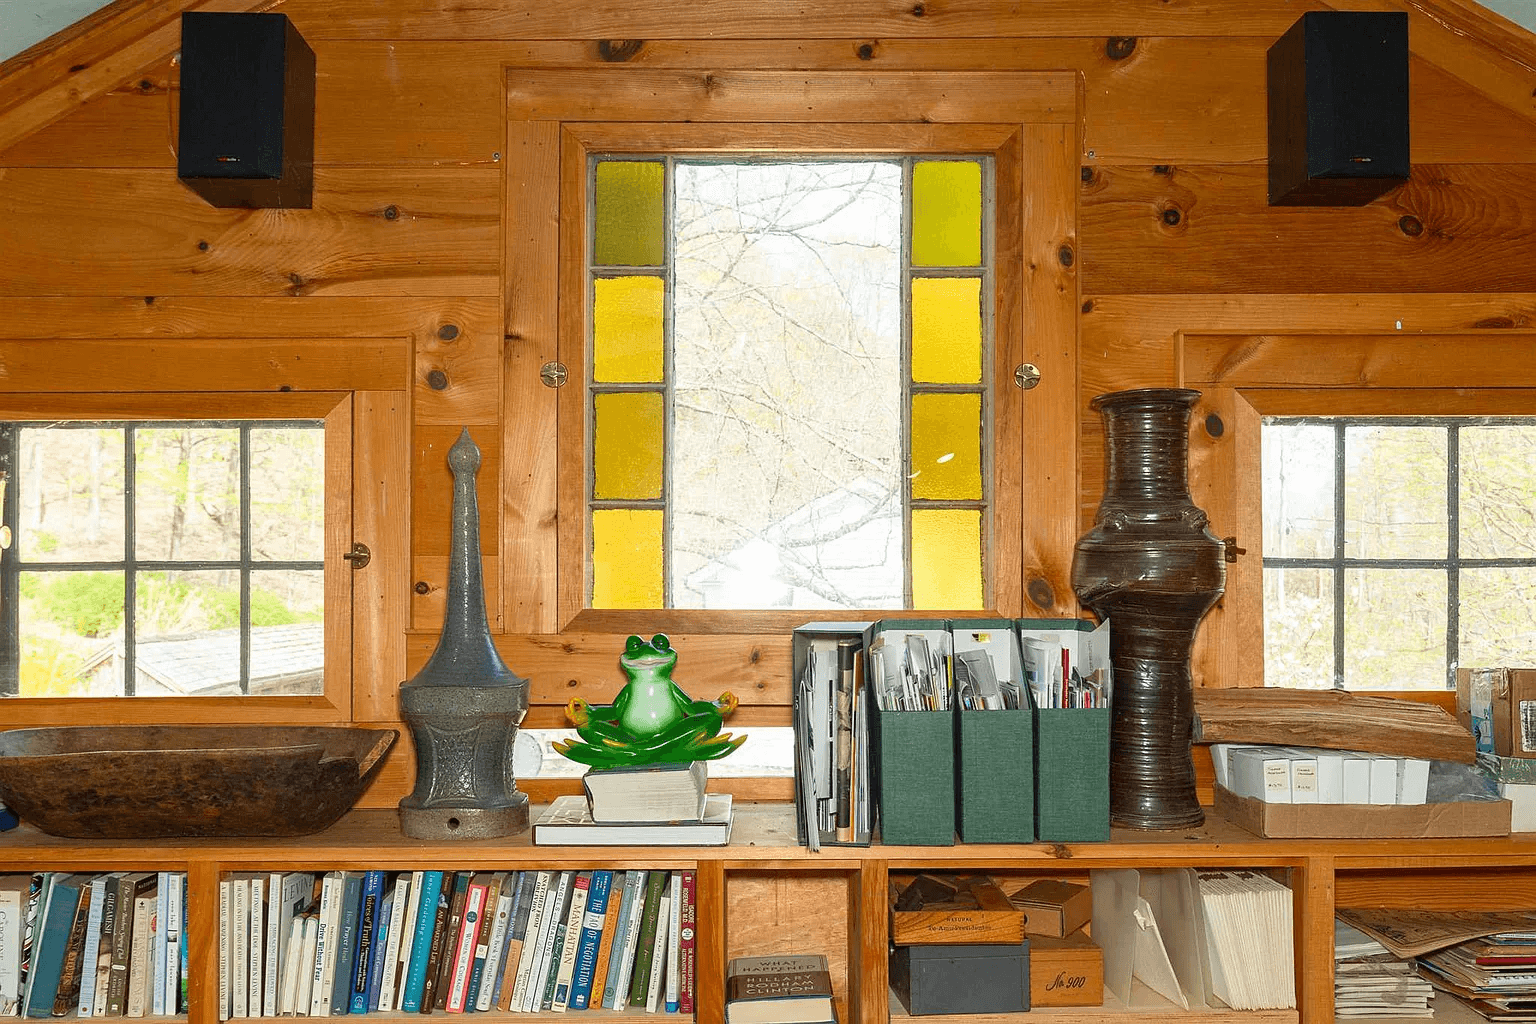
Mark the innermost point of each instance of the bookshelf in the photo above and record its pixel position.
(764, 892)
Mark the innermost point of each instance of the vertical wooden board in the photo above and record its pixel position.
(570, 482)
(709, 943)
(432, 489)
(1312, 895)
(530, 524)
(380, 590)
(458, 373)
(429, 596)
(870, 970)
(202, 937)
(790, 913)
(336, 579)
(1010, 498)
(1050, 333)
(376, 230)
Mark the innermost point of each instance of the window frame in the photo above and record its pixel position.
(1026, 121)
(1246, 377)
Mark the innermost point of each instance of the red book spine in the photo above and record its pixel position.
(686, 948)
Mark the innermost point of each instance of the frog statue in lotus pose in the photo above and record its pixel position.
(651, 721)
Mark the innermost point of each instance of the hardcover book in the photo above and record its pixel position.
(568, 822)
(645, 948)
(778, 990)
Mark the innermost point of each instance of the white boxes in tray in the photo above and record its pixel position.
(1306, 775)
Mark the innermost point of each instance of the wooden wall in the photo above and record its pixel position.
(406, 239)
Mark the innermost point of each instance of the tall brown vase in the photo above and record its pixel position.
(1152, 567)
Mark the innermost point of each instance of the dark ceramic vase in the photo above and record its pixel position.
(1152, 567)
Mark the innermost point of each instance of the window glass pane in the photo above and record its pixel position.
(288, 494)
(785, 484)
(70, 487)
(1394, 629)
(946, 558)
(629, 211)
(187, 493)
(1498, 494)
(626, 558)
(1394, 493)
(946, 446)
(627, 444)
(71, 634)
(1298, 490)
(1298, 628)
(946, 213)
(946, 330)
(188, 633)
(627, 315)
(287, 631)
(1497, 617)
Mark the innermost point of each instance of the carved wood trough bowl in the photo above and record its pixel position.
(145, 782)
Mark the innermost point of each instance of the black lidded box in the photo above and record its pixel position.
(247, 129)
(962, 979)
(1338, 108)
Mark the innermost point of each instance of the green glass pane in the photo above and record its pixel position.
(627, 329)
(626, 558)
(946, 213)
(946, 558)
(628, 214)
(627, 445)
(946, 446)
(946, 330)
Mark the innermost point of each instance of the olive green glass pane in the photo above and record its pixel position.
(627, 445)
(626, 558)
(946, 446)
(626, 329)
(946, 558)
(946, 213)
(946, 330)
(628, 214)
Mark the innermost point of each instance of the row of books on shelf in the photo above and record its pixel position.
(345, 942)
(102, 944)
(918, 728)
(1306, 775)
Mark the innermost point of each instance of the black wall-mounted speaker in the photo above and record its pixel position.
(247, 130)
(1338, 109)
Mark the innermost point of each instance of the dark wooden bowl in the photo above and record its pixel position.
(144, 782)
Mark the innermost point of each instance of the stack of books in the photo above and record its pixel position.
(1495, 974)
(1370, 980)
(352, 942)
(93, 944)
(1308, 775)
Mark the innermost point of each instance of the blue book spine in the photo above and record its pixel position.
(49, 946)
(426, 916)
(376, 956)
(367, 924)
(591, 936)
(346, 944)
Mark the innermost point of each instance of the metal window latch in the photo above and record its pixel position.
(359, 555)
(1026, 375)
(553, 374)
(1230, 550)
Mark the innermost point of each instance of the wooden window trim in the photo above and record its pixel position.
(1244, 377)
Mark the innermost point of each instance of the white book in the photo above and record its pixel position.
(140, 943)
(1303, 778)
(1383, 780)
(89, 952)
(631, 935)
(328, 921)
(157, 960)
(257, 928)
(226, 943)
(1330, 777)
(498, 943)
(1221, 764)
(581, 889)
(658, 955)
(674, 943)
(13, 909)
(288, 986)
(175, 937)
(530, 940)
(240, 948)
(407, 936)
(1412, 780)
(399, 897)
(1262, 773)
(1357, 779)
(305, 981)
(288, 893)
(553, 904)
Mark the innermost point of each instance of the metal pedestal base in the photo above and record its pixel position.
(465, 822)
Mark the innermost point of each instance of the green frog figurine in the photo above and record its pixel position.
(651, 721)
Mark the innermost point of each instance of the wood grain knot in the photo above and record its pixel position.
(391, 212)
(1172, 216)
(619, 50)
(866, 51)
(422, 587)
(437, 380)
(1119, 47)
(918, 10)
(1214, 425)
(448, 332)
(1088, 306)
(1040, 592)
(1410, 225)
(1065, 256)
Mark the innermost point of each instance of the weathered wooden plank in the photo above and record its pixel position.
(1334, 719)
(396, 231)
(458, 374)
(594, 94)
(204, 364)
(739, 19)
(380, 504)
(432, 491)
(1488, 359)
(1462, 227)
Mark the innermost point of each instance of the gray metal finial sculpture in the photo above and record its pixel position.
(465, 705)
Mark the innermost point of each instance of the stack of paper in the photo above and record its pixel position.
(1370, 981)
(1249, 924)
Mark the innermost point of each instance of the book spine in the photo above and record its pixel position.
(56, 919)
(85, 1003)
(435, 940)
(559, 883)
(174, 912)
(68, 994)
(517, 929)
(341, 975)
(595, 918)
(325, 937)
(687, 949)
(530, 940)
(464, 947)
(376, 956)
(110, 898)
(122, 943)
(485, 927)
(674, 942)
(240, 948)
(581, 891)
(362, 966)
(495, 952)
(157, 961)
(402, 963)
(430, 891)
(616, 992)
(12, 904)
(451, 938)
(138, 957)
(304, 982)
(653, 983)
(255, 937)
(287, 989)
(645, 948)
(226, 947)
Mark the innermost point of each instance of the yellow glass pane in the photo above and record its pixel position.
(627, 211)
(946, 330)
(626, 329)
(946, 213)
(627, 445)
(626, 558)
(946, 446)
(946, 558)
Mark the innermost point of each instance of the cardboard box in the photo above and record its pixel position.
(1054, 908)
(1365, 821)
(1500, 701)
(953, 910)
(962, 979)
(1065, 972)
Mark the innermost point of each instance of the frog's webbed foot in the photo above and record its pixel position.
(727, 703)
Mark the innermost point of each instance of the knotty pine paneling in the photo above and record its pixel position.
(1458, 227)
(432, 490)
(383, 231)
(458, 376)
